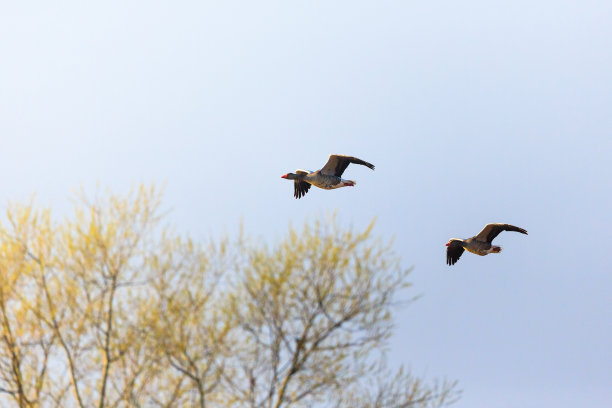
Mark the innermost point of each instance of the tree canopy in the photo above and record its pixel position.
(109, 308)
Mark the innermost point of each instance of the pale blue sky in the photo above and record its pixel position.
(472, 112)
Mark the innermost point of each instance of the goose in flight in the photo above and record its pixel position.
(328, 178)
(479, 244)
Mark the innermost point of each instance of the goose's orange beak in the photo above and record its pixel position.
(448, 243)
(285, 176)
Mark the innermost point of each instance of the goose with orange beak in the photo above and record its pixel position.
(480, 244)
(328, 177)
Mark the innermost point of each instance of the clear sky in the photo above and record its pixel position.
(472, 112)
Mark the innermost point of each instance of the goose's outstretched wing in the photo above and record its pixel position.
(490, 231)
(337, 163)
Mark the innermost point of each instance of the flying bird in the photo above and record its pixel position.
(328, 178)
(479, 244)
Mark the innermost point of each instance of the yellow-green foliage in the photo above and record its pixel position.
(108, 308)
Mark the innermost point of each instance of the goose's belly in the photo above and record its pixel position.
(479, 248)
(327, 182)
(333, 186)
(477, 251)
